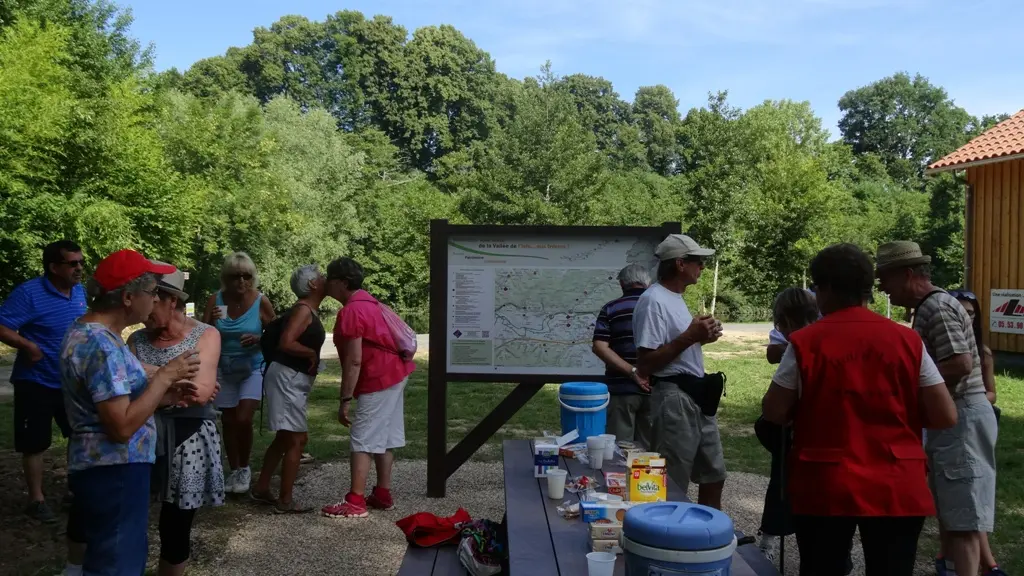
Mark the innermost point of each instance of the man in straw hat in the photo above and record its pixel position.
(683, 398)
(961, 460)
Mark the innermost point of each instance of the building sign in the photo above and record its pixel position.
(1006, 311)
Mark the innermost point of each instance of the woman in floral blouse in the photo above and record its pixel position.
(110, 403)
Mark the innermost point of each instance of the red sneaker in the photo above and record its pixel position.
(353, 507)
(380, 499)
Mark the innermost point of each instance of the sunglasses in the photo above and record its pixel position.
(695, 259)
(80, 263)
(963, 294)
(241, 276)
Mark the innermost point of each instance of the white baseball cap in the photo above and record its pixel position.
(680, 246)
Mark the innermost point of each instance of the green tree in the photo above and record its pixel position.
(656, 114)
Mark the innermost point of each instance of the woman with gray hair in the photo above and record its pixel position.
(110, 401)
(239, 312)
(288, 381)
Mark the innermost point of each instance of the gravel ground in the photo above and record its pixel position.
(311, 544)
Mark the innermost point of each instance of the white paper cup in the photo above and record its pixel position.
(595, 442)
(223, 312)
(600, 564)
(609, 446)
(556, 483)
(596, 456)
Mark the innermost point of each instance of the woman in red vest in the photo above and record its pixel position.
(858, 388)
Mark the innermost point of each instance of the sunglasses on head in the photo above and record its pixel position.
(963, 294)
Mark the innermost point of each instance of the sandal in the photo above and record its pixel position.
(306, 458)
(291, 508)
(262, 497)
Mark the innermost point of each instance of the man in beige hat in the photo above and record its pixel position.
(961, 460)
(683, 398)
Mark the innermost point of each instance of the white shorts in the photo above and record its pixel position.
(378, 424)
(287, 395)
(234, 389)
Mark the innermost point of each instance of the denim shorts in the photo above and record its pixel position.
(110, 515)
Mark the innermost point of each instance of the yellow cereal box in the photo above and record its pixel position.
(648, 483)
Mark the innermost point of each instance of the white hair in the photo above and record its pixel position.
(302, 277)
(634, 274)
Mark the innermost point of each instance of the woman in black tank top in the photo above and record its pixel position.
(287, 382)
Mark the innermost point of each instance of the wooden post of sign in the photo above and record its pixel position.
(442, 463)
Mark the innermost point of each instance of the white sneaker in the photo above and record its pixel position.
(243, 478)
(770, 547)
(229, 481)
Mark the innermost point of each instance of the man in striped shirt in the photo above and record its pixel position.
(629, 409)
(33, 320)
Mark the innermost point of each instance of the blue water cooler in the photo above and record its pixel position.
(663, 538)
(584, 408)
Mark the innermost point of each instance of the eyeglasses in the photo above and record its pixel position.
(241, 276)
(80, 263)
(154, 292)
(695, 259)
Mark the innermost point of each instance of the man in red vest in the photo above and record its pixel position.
(858, 388)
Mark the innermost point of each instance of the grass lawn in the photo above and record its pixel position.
(741, 360)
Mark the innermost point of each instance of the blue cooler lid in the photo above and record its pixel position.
(678, 526)
(582, 388)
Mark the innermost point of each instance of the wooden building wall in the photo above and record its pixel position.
(996, 231)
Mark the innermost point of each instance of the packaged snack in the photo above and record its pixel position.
(648, 483)
(606, 546)
(600, 531)
(617, 483)
(604, 512)
(545, 452)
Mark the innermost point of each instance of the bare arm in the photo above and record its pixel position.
(15, 340)
(351, 354)
(650, 361)
(604, 351)
(937, 408)
(988, 374)
(298, 321)
(209, 356)
(267, 313)
(774, 353)
(779, 404)
(954, 368)
(208, 314)
(121, 417)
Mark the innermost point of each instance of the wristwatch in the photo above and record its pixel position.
(633, 372)
(346, 399)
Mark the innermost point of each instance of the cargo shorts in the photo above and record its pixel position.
(962, 467)
(688, 440)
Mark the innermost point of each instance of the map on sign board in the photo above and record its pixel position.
(1006, 311)
(528, 305)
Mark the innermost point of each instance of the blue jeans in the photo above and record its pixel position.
(110, 515)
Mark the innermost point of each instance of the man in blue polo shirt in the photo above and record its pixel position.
(33, 320)
(629, 416)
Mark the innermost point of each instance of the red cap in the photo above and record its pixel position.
(123, 266)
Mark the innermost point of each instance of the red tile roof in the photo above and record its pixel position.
(1003, 139)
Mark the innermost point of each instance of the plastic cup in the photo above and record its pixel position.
(596, 456)
(595, 442)
(609, 446)
(600, 564)
(223, 312)
(556, 483)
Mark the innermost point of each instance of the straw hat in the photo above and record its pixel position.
(173, 284)
(899, 254)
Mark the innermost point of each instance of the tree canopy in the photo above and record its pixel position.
(346, 136)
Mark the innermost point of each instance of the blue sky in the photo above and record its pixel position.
(756, 49)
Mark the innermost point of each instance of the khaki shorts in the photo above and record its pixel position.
(378, 424)
(629, 418)
(962, 467)
(689, 440)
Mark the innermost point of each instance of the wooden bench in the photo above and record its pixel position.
(541, 542)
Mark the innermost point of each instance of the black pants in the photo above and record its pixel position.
(776, 519)
(890, 544)
(175, 533)
(36, 408)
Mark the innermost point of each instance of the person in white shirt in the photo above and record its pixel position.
(684, 399)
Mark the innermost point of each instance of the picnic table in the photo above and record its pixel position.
(540, 541)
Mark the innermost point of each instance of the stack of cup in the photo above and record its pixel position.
(595, 451)
(609, 447)
(556, 483)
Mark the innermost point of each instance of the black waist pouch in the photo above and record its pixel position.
(707, 392)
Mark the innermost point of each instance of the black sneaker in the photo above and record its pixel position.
(41, 512)
(67, 501)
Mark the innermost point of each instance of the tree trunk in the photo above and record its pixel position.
(714, 289)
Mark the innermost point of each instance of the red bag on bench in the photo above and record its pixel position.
(425, 530)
